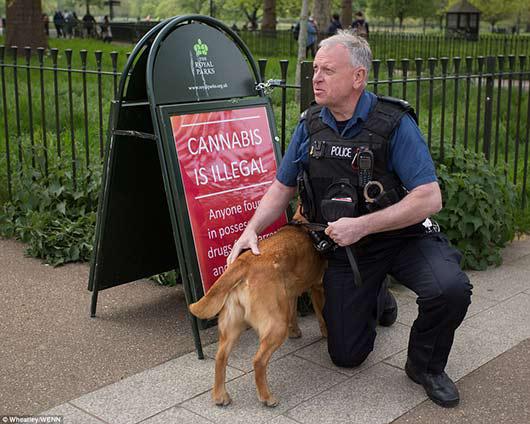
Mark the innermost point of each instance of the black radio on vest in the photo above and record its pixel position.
(365, 164)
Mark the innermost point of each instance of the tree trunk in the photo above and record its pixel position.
(346, 17)
(302, 42)
(269, 15)
(24, 24)
(322, 15)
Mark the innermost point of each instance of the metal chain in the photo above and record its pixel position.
(268, 86)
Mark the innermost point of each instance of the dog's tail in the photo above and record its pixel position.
(210, 304)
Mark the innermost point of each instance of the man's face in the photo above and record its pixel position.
(335, 79)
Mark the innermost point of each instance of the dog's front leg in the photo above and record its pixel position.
(317, 299)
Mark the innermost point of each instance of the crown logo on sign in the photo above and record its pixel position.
(200, 48)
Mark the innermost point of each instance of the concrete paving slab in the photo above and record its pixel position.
(400, 291)
(389, 341)
(72, 415)
(408, 309)
(153, 391)
(472, 348)
(500, 283)
(56, 352)
(282, 419)
(176, 415)
(247, 346)
(497, 392)
(515, 251)
(376, 395)
(522, 263)
(292, 380)
(511, 318)
(408, 312)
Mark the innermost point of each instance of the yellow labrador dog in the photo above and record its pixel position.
(262, 291)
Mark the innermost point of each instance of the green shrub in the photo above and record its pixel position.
(54, 219)
(479, 207)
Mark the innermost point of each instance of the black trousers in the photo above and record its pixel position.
(425, 264)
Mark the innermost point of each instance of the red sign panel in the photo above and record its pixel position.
(227, 163)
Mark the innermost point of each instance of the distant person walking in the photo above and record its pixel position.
(89, 24)
(334, 25)
(106, 34)
(360, 26)
(311, 37)
(58, 21)
(46, 23)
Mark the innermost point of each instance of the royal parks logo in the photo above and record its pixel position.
(202, 65)
(201, 49)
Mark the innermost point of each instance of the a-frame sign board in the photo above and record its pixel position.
(191, 150)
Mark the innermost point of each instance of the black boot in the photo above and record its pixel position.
(389, 314)
(439, 387)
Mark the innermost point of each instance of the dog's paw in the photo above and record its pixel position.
(295, 333)
(222, 400)
(271, 402)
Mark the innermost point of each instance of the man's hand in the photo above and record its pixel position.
(346, 231)
(248, 240)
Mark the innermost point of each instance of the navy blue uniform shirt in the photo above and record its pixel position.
(409, 155)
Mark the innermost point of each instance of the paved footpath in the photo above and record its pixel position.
(489, 360)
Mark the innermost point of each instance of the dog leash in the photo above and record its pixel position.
(314, 226)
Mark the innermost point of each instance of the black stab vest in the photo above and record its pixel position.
(330, 163)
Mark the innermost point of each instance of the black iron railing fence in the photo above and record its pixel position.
(385, 44)
(391, 45)
(55, 106)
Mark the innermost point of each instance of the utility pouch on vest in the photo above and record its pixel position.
(340, 201)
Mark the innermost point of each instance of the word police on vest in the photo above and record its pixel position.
(341, 152)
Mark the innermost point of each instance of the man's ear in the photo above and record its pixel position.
(359, 77)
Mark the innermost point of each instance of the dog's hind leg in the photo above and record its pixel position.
(294, 330)
(231, 324)
(270, 340)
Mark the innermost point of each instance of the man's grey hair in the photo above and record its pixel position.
(358, 47)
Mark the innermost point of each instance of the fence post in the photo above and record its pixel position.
(83, 54)
(404, 69)
(444, 62)
(114, 61)
(262, 64)
(419, 66)
(40, 53)
(390, 63)
(54, 54)
(488, 107)
(500, 59)
(27, 52)
(284, 64)
(68, 54)
(6, 129)
(375, 66)
(98, 54)
(306, 86)
(456, 64)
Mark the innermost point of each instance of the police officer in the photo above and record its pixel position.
(368, 177)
